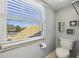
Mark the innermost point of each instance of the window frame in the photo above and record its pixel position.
(7, 45)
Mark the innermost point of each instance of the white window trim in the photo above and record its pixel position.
(14, 44)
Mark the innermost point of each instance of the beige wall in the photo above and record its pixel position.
(33, 50)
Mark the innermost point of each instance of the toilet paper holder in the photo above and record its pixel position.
(42, 45)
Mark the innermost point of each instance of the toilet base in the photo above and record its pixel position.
(62, 53)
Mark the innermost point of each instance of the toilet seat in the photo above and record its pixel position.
(62, 53)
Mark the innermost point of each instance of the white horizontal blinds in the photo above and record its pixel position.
(24, 10)
(25, 13)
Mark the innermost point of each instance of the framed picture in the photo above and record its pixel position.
(78, 22)
(76, 6)
(74, 23)
(61, 26)
(71, 31)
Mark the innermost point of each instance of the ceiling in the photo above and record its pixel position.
(57, 4)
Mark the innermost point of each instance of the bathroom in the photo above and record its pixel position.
(61, 24)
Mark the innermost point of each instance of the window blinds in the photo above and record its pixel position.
(27, 9)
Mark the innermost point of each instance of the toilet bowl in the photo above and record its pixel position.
(62, 53)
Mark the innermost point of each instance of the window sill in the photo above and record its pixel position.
(14, 44)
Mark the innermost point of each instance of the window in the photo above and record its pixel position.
(25, 22)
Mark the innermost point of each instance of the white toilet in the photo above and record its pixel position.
(65, 46)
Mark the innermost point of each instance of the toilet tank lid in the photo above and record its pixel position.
(66, 39)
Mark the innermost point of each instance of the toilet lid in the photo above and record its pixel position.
(61, 52)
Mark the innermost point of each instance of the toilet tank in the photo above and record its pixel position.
(66, 43)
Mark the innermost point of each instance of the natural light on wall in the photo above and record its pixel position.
(25, 22)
